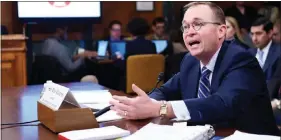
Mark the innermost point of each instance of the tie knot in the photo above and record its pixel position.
(205, 70)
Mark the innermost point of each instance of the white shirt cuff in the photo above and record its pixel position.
(180, 111)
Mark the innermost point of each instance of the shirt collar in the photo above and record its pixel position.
(266, 48)
(211, 64)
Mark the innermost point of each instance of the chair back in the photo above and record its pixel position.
(143, 70)
(47, 68)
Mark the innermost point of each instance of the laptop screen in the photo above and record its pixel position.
(161, 45)
(102, 47)
(118, 47)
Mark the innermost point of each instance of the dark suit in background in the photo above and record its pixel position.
(275, 82)
(139, 46)
(273, 86)
(239, 95)
(271, 61)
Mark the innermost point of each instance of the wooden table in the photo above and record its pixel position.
(19, 104)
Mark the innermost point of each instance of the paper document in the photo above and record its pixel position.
(98, 106)
(92, 96)
(247, 136)
(167, 132)
(108, 116)
(103, 133)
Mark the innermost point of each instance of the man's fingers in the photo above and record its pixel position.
(123, 99)
(139, 91)
(113, 102)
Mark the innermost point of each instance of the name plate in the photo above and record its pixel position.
(53, 95)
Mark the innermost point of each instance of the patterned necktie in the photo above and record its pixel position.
(204, 85)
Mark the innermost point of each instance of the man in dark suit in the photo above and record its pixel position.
(139, 27)
(217, 83)
(267, 52)
(115, 31)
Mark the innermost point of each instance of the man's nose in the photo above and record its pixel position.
(190, 31)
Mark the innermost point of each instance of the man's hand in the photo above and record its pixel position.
(140, 107)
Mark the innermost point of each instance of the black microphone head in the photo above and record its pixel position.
(160, 76)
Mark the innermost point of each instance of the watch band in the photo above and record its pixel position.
(163, 109)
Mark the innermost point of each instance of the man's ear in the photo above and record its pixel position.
(153, 27)
(222, 31)
(270, 33)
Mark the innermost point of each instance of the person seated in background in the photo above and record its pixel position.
(218, 83)
(269, 11)
(53, 47)
(138, 28)
(276, 32)
(245, 15)
(158, 28)
(233, 32)
(267, 52)
(115, 31)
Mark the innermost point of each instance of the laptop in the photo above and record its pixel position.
(118, 48)
(161, 45)
(102, 49)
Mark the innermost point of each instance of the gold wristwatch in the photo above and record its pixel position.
(163, 109)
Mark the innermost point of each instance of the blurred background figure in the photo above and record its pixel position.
(276, 31)
(158, 28)
(138, 28)
(267, 52)
(233, 32)
(245, 15)
(269, 11)
(115, 31)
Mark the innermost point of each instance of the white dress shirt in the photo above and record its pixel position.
(180, 110)
(264, 53)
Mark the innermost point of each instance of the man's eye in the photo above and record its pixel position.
(196, 24)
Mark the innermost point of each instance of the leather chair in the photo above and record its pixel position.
(143, 70)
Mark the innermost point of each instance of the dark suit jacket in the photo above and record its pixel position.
(275, 82)
(139, 46)
(271, 61)
(239, 95)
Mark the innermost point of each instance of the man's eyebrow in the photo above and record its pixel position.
(194, 19)
(197, 19)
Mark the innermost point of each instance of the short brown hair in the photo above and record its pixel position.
(217, 11)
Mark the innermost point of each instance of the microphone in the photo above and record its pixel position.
(104, 110)
(159, 79)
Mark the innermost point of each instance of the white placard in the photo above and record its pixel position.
(53, 95)
(145, 6)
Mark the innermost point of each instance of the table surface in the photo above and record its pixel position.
(19, 104)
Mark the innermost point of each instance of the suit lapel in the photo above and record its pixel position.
(218, 70)
(193, 82)
(270, 57)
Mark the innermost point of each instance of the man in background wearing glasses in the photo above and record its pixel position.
(219, 83)
(158, 28)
